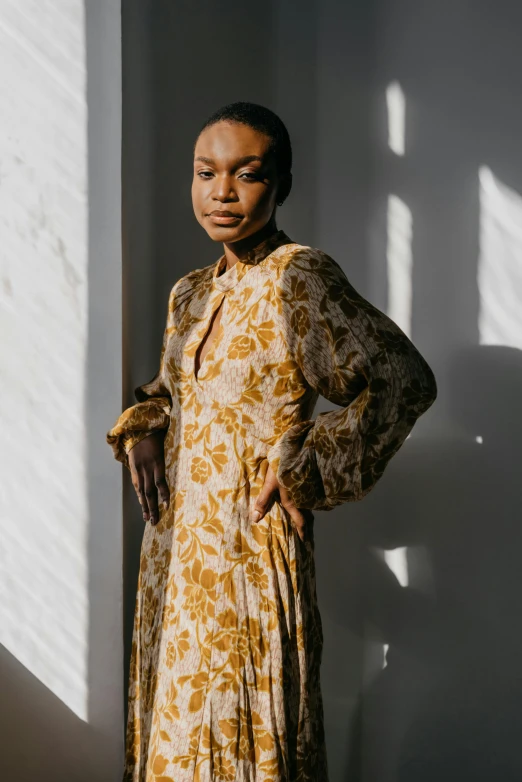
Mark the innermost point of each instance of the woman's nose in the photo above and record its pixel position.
(223, 189)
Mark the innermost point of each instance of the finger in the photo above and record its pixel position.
(140, 491)
(266, 496)
(162, 486)
(308, 527)
(151, 493)
(135, 482)
(301, 519)
(298, 522)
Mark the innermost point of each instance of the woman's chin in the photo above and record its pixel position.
(222, 233)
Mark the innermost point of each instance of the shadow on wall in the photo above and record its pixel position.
(447, 703)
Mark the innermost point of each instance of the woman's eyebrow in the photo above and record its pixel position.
(241, 162)
(249, 159)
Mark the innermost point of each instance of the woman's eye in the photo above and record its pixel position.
(249, 175)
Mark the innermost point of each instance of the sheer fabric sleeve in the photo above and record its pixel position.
(152, 413)
(355, 356)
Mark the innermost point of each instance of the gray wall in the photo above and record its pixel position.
(445, 703)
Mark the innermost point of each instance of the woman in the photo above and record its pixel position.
(227, 638)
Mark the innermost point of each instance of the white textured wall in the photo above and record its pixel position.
(43, 202)
(60, 147)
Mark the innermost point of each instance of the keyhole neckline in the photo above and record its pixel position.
(206, 328)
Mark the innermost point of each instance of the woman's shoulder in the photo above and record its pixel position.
(299, 260)
(190, 283)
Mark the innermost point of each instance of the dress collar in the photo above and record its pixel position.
(226, 280)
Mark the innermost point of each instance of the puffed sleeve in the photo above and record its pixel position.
(152, 413)
(354, 355)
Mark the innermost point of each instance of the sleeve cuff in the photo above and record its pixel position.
(136, 423)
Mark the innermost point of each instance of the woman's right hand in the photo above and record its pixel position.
(147, 466)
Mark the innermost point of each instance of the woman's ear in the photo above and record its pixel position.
(284, 188)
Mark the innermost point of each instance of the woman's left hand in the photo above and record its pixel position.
(272, 491)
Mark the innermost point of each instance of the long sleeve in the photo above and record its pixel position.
(351, 353)
(152, 413)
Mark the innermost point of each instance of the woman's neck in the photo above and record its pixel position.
(236, 251)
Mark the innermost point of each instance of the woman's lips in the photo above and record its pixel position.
(224, 218)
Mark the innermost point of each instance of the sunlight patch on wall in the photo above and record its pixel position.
(43, 321)
(396, 559)
(396, 106)
(399, 263)
(500, 262)
(399, 259)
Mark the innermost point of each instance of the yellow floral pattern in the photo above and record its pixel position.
(224, 681)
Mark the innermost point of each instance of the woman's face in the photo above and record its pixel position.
(235, 183)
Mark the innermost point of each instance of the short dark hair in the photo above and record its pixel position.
(264, 121)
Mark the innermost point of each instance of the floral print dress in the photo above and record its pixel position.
(224, 681)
